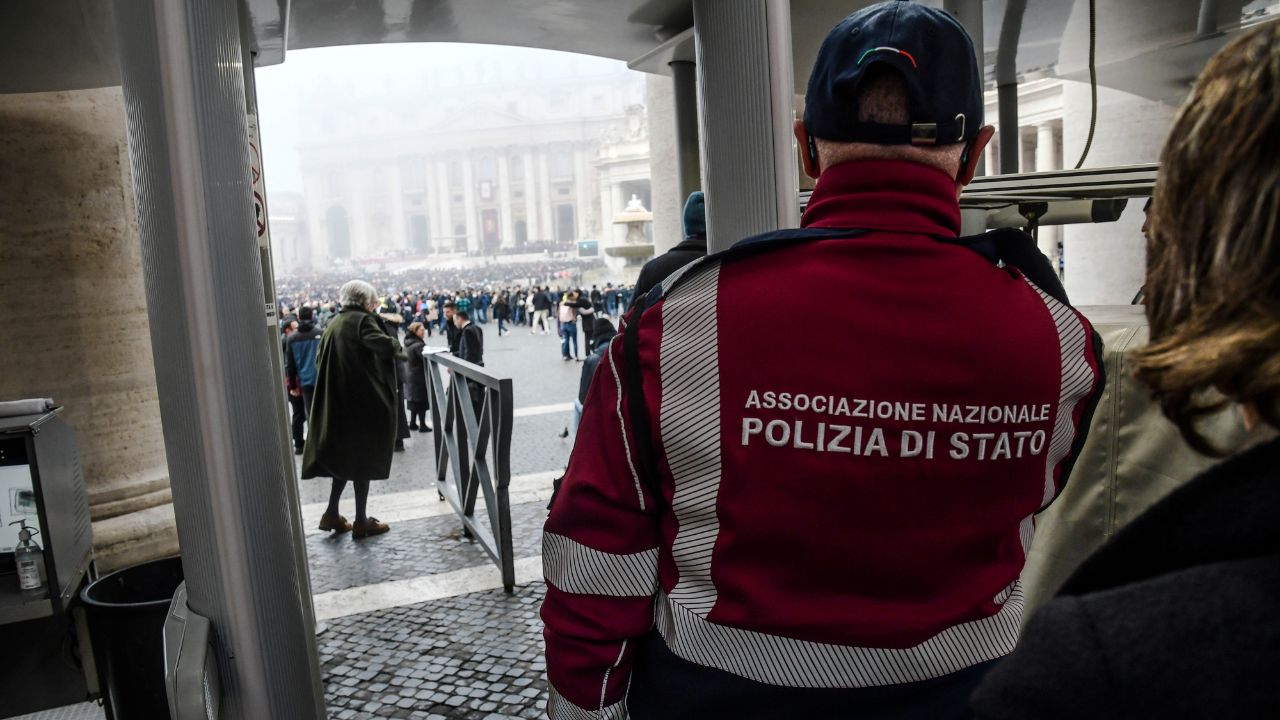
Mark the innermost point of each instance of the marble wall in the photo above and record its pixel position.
(75, 322)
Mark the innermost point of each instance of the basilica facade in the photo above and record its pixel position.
(482, 159)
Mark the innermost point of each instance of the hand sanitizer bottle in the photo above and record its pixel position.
(30, 561)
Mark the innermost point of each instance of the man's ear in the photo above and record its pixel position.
(975, 155)
(808, 151)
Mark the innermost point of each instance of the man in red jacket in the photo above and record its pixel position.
(746, 532)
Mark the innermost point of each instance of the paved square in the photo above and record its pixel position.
(468, 654)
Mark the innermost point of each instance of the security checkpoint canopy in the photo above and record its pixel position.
(1152, 48)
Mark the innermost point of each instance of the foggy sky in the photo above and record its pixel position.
(332, 77)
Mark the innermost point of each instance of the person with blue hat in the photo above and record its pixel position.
(693, 246)
(749, 531)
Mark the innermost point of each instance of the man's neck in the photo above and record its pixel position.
(885, 195)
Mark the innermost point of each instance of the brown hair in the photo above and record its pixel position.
(1213, 257)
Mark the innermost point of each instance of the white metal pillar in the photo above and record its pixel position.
(184, 76)
(746, 107)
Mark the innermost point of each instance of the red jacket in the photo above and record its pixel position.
(850, 513)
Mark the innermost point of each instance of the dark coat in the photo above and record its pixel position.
(471, 344)
(453, 335)
(415, 388)
(1174, 618)
(355, 408)
(602, 333)
(657, 269)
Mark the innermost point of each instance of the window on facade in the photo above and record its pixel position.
(486, 168)
(516, 168)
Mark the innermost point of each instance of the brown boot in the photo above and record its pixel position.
(336, 523)
(369, 528)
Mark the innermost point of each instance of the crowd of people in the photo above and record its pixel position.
(353, 355)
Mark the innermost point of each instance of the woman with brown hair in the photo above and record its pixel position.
(1179, 615)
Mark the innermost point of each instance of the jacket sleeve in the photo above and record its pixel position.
(1059, 671)
(599, 558)
(382, 343)
(1082, 377)
(290, 365)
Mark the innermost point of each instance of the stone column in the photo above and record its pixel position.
(444, 205)
(547, 212)
(469, 202)
(1046, 160)
(432, 190)
(665, 164)
(581, 186)
(395, 188)
(530, 197)
(617, 234)
(1105, 264)
(991, 157)
(507, 227)
(315, 194)
(357, 205)
(77, 329)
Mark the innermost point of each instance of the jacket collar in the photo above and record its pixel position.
(1226, 513)
(885, 195)
(691, 243)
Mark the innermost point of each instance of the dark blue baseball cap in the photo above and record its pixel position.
(695, 215)
(932, 52)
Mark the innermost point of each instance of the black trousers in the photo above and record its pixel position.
(298, 418)
(665, 686)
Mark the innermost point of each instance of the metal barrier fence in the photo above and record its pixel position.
(472, 415)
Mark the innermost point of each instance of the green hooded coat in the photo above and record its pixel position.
(353, 414)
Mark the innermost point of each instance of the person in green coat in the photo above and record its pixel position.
(353, 415)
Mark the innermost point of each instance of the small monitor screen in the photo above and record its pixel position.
(17, 496)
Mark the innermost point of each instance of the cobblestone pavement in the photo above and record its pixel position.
(472, 655)
(535, 447)
(476, 656)
(412, 549)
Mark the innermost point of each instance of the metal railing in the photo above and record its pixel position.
(472, 415)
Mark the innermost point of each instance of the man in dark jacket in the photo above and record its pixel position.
(470, 338)
(451, 332)
(602, 332)
(541, 309)
(693, 247)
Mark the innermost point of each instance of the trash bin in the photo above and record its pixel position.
(126, 612)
